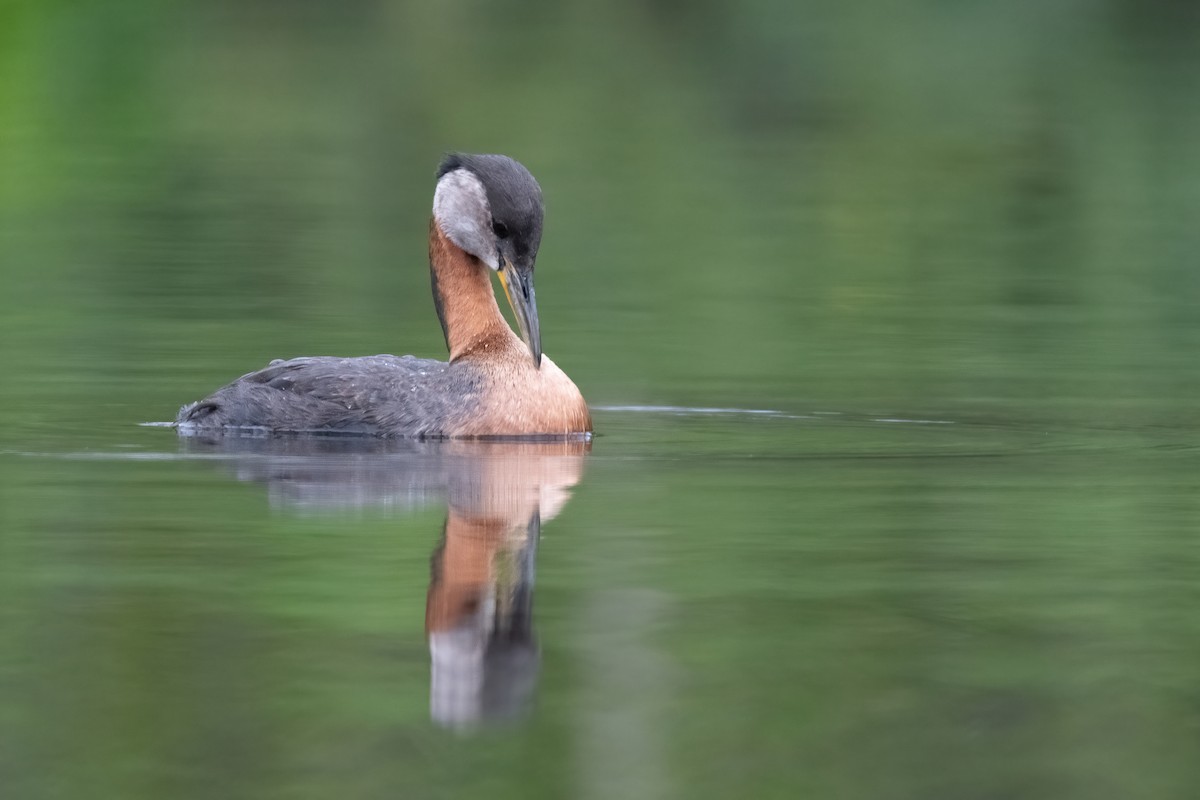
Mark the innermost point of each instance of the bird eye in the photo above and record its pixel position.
(500, 229)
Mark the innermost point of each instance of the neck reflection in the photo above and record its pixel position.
(479, 620)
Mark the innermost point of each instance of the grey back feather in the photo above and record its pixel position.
(382, 395)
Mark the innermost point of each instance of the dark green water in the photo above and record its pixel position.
(952, 249)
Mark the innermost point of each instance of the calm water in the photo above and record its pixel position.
(890, 324)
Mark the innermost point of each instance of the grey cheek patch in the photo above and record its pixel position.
(460, 206)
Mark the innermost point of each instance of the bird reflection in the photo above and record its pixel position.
(479, 608)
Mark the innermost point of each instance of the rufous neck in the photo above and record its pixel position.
(462, 294)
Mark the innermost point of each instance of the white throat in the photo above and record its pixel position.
(461, 210)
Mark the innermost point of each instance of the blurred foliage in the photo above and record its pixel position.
(976, 212)
(758, 203)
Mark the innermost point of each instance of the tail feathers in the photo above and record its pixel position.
(195, 412)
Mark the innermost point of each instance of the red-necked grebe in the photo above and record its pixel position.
(487, 215)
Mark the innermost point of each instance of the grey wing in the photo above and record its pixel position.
(378, 395)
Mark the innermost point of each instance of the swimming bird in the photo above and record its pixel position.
(487, 217)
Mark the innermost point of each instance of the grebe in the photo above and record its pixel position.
(487, 215)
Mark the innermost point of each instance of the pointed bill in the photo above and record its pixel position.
(518, 288)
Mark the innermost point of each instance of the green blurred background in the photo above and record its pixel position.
(779, 204)
(982, 214)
